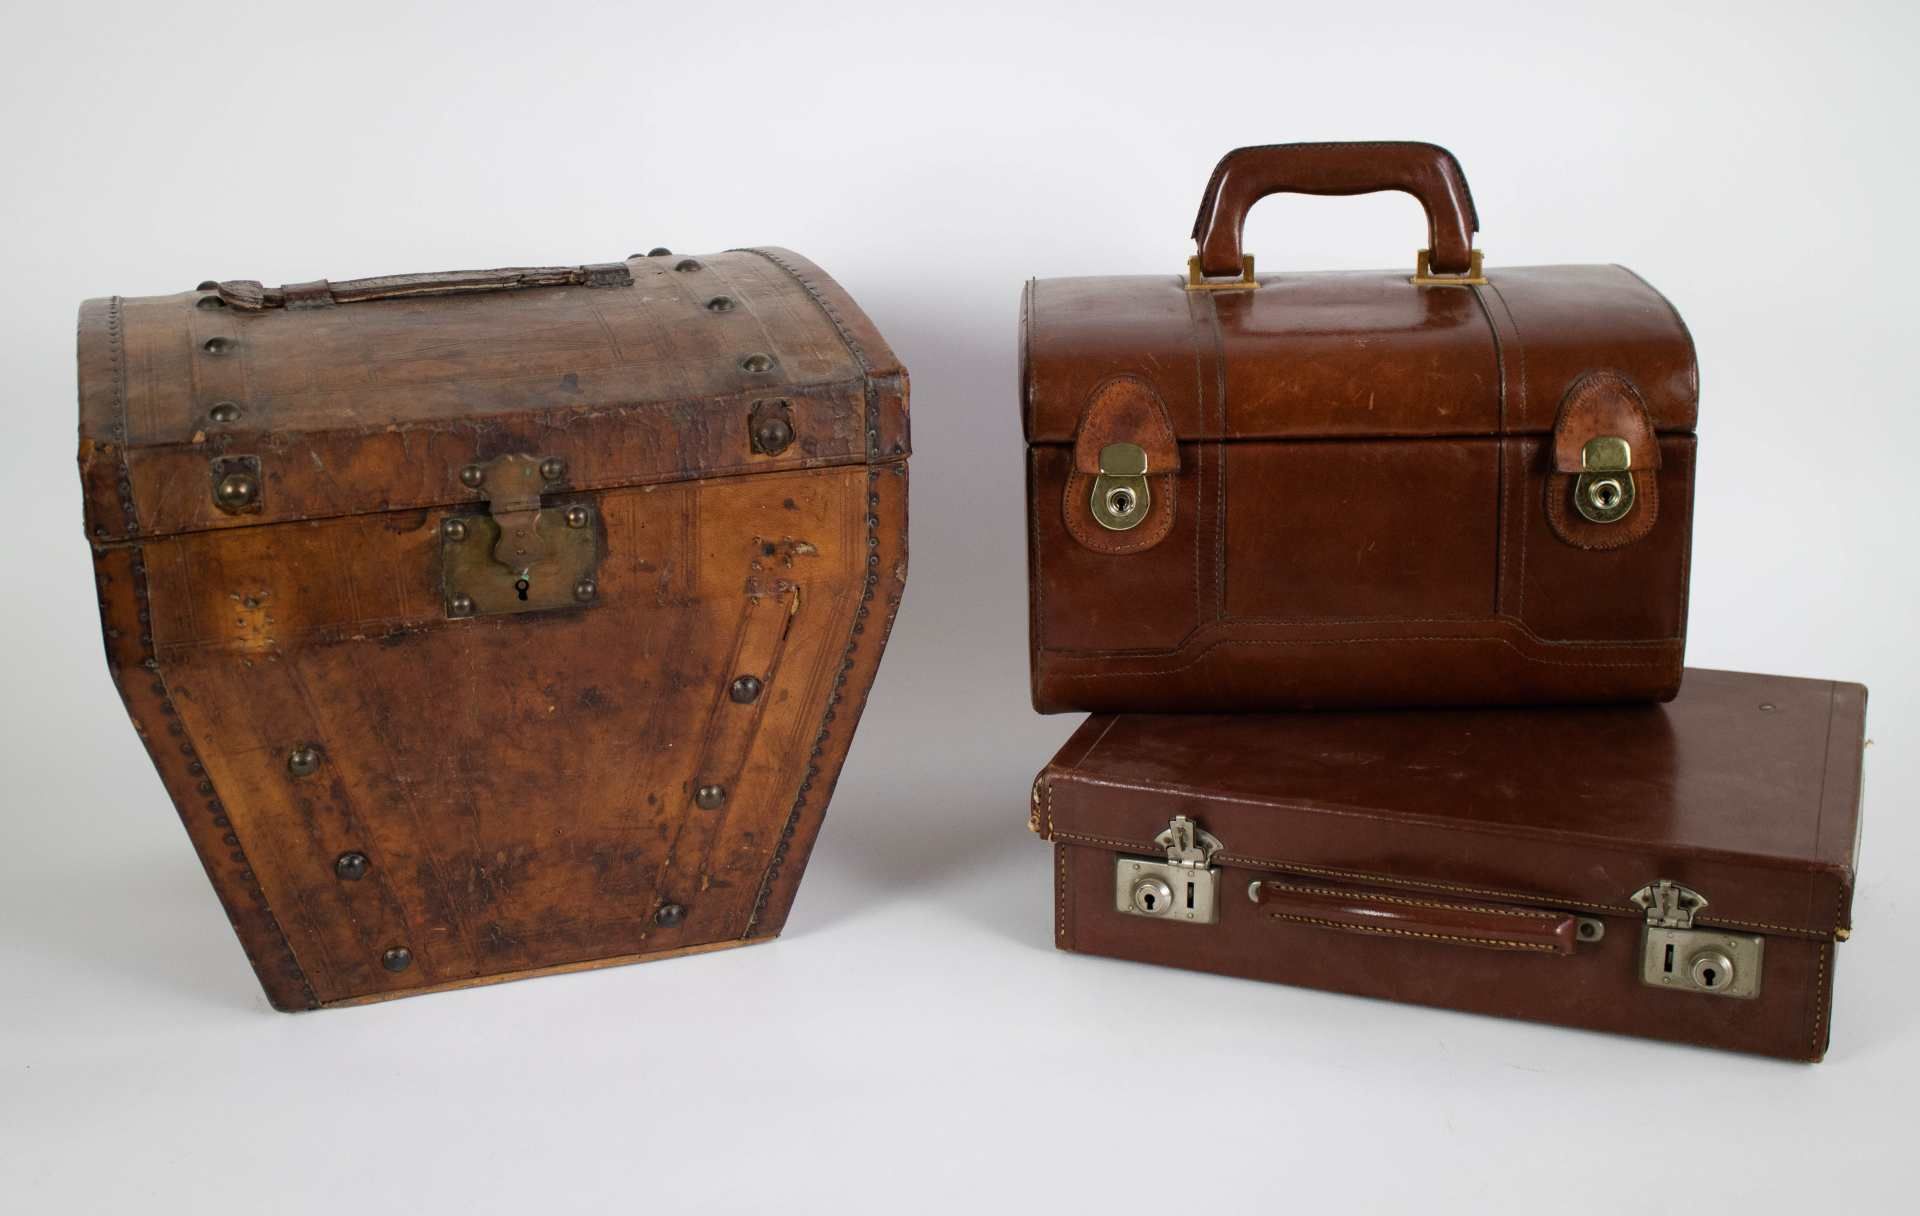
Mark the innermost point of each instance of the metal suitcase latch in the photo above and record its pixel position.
(1674, 954)
(1120, 495)
(517, 555)
(1184, 887)
(1603, 492)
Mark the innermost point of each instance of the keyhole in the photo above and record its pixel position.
(1709, 977)
(1605, 494)
(521, 587)
(1149, 899)
(1120, 502)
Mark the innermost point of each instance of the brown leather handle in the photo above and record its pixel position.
(249, 296)
(1418, 917)
(1244, 176)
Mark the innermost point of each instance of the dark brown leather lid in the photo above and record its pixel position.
(372, 400)
(1354, 354)
(1745, 788)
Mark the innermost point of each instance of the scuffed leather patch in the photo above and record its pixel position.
(1601, 404)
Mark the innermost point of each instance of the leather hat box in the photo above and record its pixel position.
(1454, 483)
(491, 623)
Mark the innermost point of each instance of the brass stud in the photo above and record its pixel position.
(756, 363)
(397, 958)
(454, 529)
(209, 302)
(684, 265)
(460, 605)
(236, 490)
(710, 797)
(303, 760)
(224, 411)
(553, 468)
(585, 590)
(659, 251)
(472, 476)
(745, 690)
(669, 915)
(720, 304)
(351, 867)
(219, 346)
(773, 434)
(578, 517)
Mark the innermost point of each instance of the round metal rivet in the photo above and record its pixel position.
(303, 760)
(756, 363)
(720, 304)
(745, 689)
(686, 264)
(460, 605)
(710, 797)
(397, 958)
(454, 529)
(472, 476)
(585, 590)
(219, 346)
(1766, 707)
(669, 915)
(224, 411)
(577, 517)
(209, 302)
(236, 490)
(553, 468)
(208, 285)
(660, 251)
(773, 435)
(351, 866)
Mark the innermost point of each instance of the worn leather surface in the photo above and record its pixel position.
(1746, 788)
(1364, 471)
(1244, 176)
(367, 406)
(1597, 405)
(524, 786)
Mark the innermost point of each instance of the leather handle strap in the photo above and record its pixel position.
(1244, 176)
(249, 296)
(1417, 917)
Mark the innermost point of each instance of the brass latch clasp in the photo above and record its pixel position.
(518, 555)
(1120, 495)
(1604, 492)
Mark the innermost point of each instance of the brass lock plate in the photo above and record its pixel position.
(547, 561)
(1705, 961)
(1603, 493)
(1167, 891)
(1120, 497)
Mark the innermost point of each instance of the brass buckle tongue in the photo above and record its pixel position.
(1120, 495)
(1603, 493)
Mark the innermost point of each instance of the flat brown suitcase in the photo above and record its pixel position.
(493, 623)
(1678, 871)
(1463, 484)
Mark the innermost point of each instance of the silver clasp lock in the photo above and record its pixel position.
(1184, 887)
(1120, 497)
(1675, 954)
(1603, 493)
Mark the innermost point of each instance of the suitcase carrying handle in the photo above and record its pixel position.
(248, 295)
(1423, 918)
(1244, 176)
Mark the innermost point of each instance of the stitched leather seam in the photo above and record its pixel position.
(813, 293)
(1820, 1000)
(1210, 647)
(1490, 909)
(1495, 942)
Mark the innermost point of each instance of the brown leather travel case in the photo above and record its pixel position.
(1455, 483)
(1679, 871)
(493, 623)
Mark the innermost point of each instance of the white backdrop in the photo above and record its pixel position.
(914, 1043)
